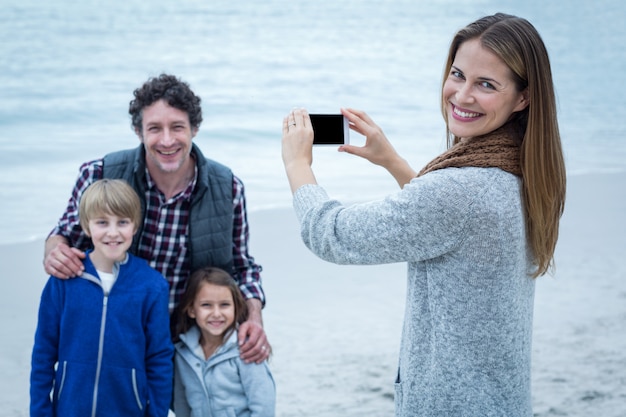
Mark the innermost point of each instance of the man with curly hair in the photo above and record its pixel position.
(194, 208)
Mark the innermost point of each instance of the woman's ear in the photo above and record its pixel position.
(190, 313)
(524, 101)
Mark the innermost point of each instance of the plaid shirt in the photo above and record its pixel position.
(163, 242)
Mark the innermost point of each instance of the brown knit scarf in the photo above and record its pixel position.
(499, 149)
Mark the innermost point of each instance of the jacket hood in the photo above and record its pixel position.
(90, 273)
(189, 346)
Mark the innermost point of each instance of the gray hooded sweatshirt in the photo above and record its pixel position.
(222, 385)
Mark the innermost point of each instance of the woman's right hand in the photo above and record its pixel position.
(377, 149)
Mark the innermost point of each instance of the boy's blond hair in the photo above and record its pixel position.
(107, 196)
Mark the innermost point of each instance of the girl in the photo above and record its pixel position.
(475, 226)
(210, 377)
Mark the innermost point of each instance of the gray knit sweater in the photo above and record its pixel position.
(466, 342)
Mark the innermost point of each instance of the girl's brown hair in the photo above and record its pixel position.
(181, 322)
(518, 44)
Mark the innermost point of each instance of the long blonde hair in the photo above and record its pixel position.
(519, 45)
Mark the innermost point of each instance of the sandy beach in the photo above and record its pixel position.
(335, 330)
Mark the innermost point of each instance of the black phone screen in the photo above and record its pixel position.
(328, 129)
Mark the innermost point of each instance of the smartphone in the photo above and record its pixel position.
(330, 129)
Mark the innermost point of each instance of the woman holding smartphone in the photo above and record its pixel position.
(476, 225)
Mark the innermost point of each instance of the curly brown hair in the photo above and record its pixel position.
(174, 91)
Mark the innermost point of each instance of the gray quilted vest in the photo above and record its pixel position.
(211, 218)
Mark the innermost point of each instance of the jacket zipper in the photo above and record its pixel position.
(100, 349)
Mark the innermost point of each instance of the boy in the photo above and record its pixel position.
(102, 345)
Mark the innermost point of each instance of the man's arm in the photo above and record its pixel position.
(63, 249)
(253, 343)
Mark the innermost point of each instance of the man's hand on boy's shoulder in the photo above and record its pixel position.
(60, 260)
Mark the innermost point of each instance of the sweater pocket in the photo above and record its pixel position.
(136, 388)
(117, 391)
(61, 378)
(74, 388)
(123, 391)
(226, 412)
(397, 400)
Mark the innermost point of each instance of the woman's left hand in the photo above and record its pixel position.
(298, 148)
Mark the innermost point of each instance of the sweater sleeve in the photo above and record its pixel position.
(260, 389)
(424, 220)
(69, 224)
(46, 349)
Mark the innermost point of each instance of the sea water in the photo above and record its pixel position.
(68, 69)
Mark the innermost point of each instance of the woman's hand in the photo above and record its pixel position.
(377, 149)
(297, 148)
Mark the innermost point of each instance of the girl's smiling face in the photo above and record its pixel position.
(479, 92)
(213, 310)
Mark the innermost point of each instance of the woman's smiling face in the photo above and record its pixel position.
(479, 92)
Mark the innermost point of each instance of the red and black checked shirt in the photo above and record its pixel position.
(163, 242)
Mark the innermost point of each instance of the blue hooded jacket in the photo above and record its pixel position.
(103, 354)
